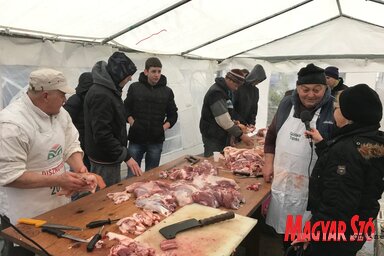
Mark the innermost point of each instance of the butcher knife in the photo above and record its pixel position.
(60, 233)
(44, 224)
(169, 232)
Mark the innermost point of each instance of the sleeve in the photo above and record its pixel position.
(341, 191)
(14, 146)
(223, 119)
(270, 138)
(72, 143)
(101, 110)
(171, 110)
(73, 107)
(128, 103)
(254, 109)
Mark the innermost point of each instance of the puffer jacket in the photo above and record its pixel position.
(104, 119)
(150, 106)
(347, 179)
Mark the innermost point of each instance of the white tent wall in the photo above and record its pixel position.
(189, 79)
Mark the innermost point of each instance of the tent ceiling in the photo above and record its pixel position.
(214, 29)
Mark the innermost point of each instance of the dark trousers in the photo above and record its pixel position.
(152, 155)
(211, 146)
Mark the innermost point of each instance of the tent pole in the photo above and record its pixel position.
(154, 16)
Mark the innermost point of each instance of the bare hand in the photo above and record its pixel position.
(315, 134)
(247, 140)
(268, 172)
(72, 181)
(296, 243)
(135, 168)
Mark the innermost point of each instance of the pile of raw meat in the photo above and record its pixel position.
(247, 161)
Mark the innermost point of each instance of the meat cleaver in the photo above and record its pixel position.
(169, 232)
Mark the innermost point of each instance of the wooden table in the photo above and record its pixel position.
(98, 206)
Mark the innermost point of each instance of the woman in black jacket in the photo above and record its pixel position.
(347, 179)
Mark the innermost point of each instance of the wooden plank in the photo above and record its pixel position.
(98, 206)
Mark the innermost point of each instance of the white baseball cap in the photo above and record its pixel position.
(49, 79)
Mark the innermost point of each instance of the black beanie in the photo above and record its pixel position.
(361, 104)
(332, 71)
(120, 66)
(311, 74)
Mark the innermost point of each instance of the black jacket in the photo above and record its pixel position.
(246, 98)
(339, 87)
(74, 105)
(347, 179)
(208, 125)
(150, 106)
(105, 122)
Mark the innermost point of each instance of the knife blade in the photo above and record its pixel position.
(61, 234)
(44, 224)
(169, 232)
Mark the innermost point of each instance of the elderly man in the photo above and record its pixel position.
(37, 137)
(216, 125)
(289, 157)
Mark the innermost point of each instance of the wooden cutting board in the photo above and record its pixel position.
(219, 239)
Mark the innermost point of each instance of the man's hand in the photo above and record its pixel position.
(71, 181)
(135, 168)
(268, 167)
(166, 126)
(246, 140)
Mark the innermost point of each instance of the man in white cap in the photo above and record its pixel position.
(37, 138)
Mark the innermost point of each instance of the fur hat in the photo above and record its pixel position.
(361, 104)
(311, 74)
(120, 66)
(236, 76)
(332, 72)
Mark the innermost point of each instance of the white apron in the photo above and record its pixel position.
(45, 157)
(289, 192)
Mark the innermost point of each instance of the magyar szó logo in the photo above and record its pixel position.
(55, 151)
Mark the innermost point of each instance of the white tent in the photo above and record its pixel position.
(194, 40)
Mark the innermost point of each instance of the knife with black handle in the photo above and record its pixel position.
(95, 238)
(60, 233)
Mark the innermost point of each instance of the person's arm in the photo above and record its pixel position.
(171, 112)
(73, 106)
(268, 167)
(76, 163)
(254, 108)
(67, 180)
(128, 105)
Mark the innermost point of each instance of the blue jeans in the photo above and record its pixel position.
(152, 155)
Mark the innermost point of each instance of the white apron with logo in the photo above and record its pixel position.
(45, 157)
(290, 181)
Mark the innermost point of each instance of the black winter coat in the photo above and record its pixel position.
(105, 122)
(347, 179)
(339, 87)
(150, 107)
(245, 103)
(75, 105)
